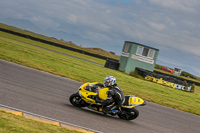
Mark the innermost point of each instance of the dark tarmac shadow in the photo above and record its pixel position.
(89, 111)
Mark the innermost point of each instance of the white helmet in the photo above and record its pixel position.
(109, 81)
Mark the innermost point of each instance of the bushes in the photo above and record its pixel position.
(193, 88)
(186, 74)
(157, 66)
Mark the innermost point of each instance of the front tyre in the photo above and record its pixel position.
(129, 114)
(76, 100)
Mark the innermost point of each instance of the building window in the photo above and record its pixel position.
(151, 53)
(144, 51)
(127, 48)
(139, 50)
(177, 70)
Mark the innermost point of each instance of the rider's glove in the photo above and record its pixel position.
(99, 84)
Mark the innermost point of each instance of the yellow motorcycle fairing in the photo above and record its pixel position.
(103, 93)
(86, 95)
(133, 102)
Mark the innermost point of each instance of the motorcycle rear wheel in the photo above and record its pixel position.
(76, 100)
(129, 114)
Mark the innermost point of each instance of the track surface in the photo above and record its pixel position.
(46, 94)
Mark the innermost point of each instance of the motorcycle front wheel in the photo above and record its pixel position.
(129, 114)
(76, 100)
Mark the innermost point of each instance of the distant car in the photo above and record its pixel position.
(166, 69)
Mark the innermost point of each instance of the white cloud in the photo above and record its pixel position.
(83, 2)
(196, 69)
(11, 13)
(44, 22)
(71, 18)
(169, 21)
(170, 61)
(182, 5)
(157, 26)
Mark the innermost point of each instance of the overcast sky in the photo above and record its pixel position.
(172, 26)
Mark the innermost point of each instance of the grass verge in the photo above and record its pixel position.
(25, 32)
(50, 47)
(10, 123)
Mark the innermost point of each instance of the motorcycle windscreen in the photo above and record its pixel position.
(103, 93)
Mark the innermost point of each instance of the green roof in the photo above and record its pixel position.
(142, 45)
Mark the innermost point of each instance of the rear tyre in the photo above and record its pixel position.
(129, 114)
(76, 100)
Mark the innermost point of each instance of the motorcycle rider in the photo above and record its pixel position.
(114, 92)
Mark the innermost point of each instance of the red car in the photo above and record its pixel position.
(166, 69)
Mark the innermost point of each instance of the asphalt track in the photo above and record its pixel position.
(47, 95)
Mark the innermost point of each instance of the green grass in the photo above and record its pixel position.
(10, 123)
(82, 71)
(65, 51)
(55, 41)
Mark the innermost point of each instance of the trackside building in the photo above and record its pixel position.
(137, 55)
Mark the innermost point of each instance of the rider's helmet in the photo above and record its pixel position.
(109, 81)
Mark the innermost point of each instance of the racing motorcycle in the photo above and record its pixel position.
(85, 97)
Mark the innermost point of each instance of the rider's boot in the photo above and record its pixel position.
(121, 111)
(109, 110)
